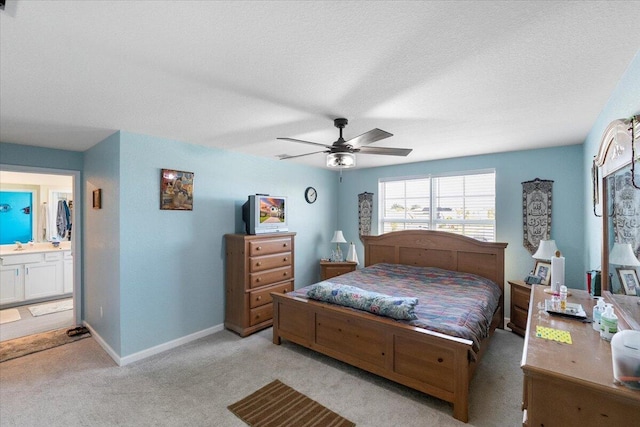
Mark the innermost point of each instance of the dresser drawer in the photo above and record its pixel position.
(260, 314)
(263, 296)
(268, 277)
(21, 259)
(270, 246)
(520, 297)
(270, 261)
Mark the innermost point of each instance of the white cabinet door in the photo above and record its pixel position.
(42, 279)
(68, 276)
(11, 284)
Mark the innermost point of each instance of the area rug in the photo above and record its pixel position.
(278, 405)
(19, 347)
(52, 307)
(9, 315)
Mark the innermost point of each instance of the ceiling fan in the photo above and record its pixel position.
(341, 154)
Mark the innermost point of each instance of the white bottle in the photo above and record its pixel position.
(608, 323)
(598, 309)
(563, 298)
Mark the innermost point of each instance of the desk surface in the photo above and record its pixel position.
(587, 361)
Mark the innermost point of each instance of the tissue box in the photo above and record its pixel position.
(625, 352)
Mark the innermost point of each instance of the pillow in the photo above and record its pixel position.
(401, 308)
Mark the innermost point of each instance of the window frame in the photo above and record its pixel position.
(433, 222)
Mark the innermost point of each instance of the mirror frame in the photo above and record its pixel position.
(613, 155)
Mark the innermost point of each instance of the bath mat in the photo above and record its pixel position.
(52, 307)
(19, 347)
(9, 315)
(277, 404)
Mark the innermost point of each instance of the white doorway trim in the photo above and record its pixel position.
(76, 235)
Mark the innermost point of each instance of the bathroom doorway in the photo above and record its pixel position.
(49, 274)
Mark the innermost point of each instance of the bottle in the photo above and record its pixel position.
(608, 323)
(598, 309)
(563, 298)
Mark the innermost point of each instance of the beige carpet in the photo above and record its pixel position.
(278, 405)
(19, 347)
(9, 315)
(52, 307)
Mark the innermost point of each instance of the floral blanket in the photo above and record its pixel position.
(449, 302)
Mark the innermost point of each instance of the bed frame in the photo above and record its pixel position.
(436, 364)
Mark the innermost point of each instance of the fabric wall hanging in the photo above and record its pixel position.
(626, 209)
(536, 212)
(365, 213)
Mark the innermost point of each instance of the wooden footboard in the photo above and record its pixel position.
(436, 364)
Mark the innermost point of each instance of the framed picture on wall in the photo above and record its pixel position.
(543, 271)
(97, 199)
(629, 279)
(176, 190)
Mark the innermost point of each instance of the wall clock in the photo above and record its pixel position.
(310, 195)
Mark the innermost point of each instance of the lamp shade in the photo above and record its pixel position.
(341, 160)
(338, 237)
(622, 254)
(546, 250)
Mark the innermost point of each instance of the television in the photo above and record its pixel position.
(265, 214)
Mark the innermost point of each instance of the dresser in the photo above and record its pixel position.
(256, 265)
(329, 269)
(520, 293)
(572, 384)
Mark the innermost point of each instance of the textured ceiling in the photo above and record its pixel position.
(448, 79)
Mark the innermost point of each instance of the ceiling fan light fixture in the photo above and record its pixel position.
(341, 160)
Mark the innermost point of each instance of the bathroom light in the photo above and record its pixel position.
(546, 250)
(341, 160)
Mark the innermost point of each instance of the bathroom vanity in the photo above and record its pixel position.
(36, 272)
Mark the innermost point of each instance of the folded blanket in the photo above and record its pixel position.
(401, 308)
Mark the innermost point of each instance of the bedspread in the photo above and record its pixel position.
(453, 303)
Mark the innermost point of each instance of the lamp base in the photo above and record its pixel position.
(336, 255)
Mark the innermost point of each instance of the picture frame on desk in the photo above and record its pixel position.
(543, 270)
(629, 279)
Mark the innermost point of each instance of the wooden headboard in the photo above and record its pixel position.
(428, 248)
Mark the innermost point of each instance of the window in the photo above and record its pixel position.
(462, 204)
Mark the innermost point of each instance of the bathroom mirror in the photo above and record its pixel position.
(620, 206)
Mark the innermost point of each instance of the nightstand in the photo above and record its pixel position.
(520, 295)
(329, 269)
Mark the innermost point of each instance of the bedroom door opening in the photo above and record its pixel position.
(39, 283)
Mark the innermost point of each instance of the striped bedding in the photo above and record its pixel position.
(453, 303)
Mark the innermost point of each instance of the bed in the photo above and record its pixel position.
(430, 361)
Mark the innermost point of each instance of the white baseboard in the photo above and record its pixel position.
(122, 361)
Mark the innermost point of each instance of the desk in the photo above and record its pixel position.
(572, 384)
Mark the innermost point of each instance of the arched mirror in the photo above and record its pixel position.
(620, 216)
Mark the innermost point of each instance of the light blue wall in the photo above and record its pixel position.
(172, 262)
(563, 165)
(26, 155)
(623, 103)
(102, 241)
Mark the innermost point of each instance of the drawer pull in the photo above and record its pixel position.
(286, 259)
(258, 248)
(284, 274)
(258, 279)
(259, 298)
(258, 264)
(285, 245)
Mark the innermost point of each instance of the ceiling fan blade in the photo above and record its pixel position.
(285, 157)
(386, 151)
(304, 142)
(368, 137)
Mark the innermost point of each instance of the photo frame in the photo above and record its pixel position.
(176, 190)
(629, 279)
(97, 199)
(543, 270)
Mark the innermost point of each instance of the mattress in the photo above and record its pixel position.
(449, 302)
